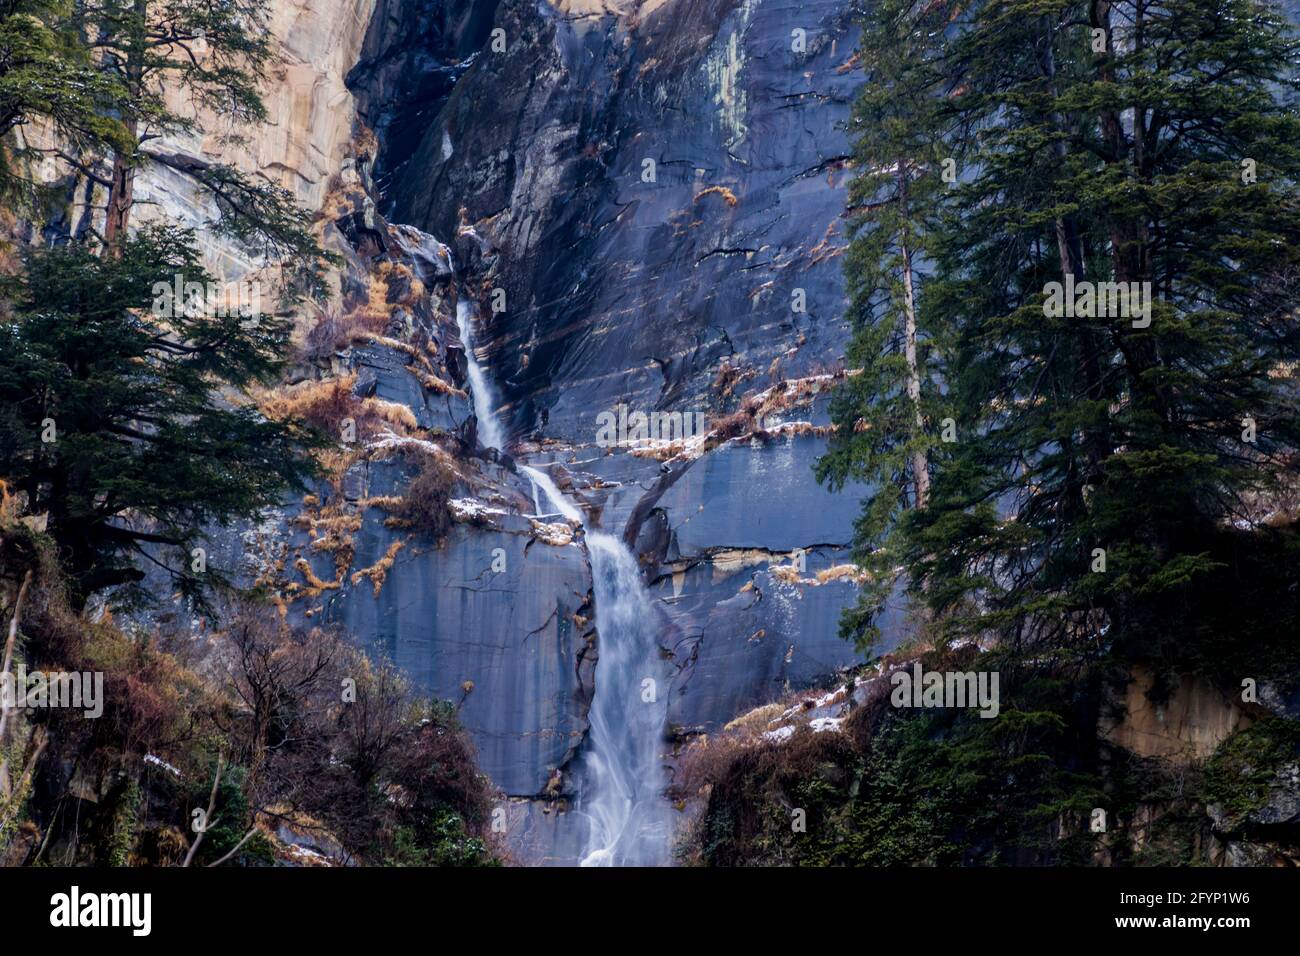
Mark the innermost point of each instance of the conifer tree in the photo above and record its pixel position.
(123, 413)
(1104, 447)
(211, 56)
(47, 74)
(885, 410)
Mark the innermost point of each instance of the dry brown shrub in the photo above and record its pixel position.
(378, 572)
(324, 404)
(744, 783)
(732, 426)
(327, 336)
(727, 195)
(424, 507)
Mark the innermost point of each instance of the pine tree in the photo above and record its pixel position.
(1101, 455)
(46, 73)
(886, 408)
(121, 415)
(214, 56)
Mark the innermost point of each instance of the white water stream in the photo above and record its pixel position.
(490, 433)
(623, 776)
(433, 259)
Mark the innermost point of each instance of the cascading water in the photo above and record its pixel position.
(623, 777)
(554, 495)
(433, 259)
(490, 433)
(629, 824)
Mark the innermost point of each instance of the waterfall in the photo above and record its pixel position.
(561, 504)
(433, 260)
(629, 824)
(622, 774)
(490, 433)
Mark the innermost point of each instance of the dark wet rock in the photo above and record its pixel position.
(545, 832)
(413, 55)
(654, 535)
(415, 52)
(360, 230)
(390, 376)
(623, 290)
(366, 384)
(457, 365)
(672, 295)
(748, 626)
(511, 637)
(757, 495)
(355, 484)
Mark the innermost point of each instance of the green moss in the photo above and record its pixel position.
(121, 836)
(443, 842)
(1242, 771)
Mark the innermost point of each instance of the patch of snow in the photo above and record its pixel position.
(392, 440)
(826, 723)
(159, 762)
(469, 508)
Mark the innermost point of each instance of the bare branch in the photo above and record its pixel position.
(207, 817)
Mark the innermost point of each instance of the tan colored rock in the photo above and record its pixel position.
(1188, 727)
(304, 142)
(303, 146)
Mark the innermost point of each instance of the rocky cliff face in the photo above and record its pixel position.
(303, 146)
(644, 203)
(641, 204)
(658, 192)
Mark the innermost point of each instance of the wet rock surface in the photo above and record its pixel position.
(691, 284)
(622, 289)
(413, 54)
(503, 644)
(707, 283)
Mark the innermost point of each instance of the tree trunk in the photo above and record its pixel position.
(1130, 238)
(1069, 245)
(120, 197)
(121, 191)
(920, 461)
(7, 660)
